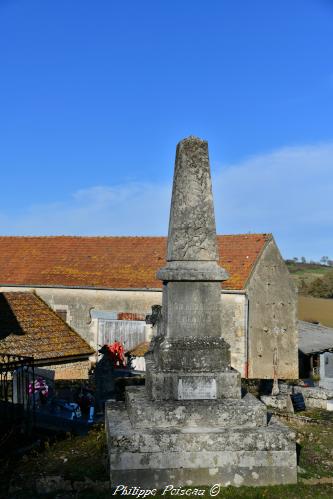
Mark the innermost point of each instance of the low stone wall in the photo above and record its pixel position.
(281, 402)
(314, 397)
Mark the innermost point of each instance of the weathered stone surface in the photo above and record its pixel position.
(201, 454)
(272, 321)
(194, 388)
(248, 412)
(212, 459)
(192, 232)
(198, 354)
(225, 476)
(282, 402)
(123, 436)
(314, 392)
(192, 271)
(192, 250)
(314, 397)
(193, 309)
(163, 385)
(190, 327)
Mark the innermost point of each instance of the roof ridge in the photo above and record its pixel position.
(123, 236)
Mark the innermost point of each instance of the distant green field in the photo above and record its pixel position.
(307, 271)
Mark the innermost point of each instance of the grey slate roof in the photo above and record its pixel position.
(313, 338)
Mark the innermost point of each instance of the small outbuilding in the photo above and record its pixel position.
(30, 328)
(316, 353)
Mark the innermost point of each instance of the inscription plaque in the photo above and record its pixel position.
(195, 388)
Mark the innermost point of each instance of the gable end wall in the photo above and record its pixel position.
(272, 335)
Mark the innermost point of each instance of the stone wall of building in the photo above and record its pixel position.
(83, 305)
(70, 370)
(234, 324)
(273, 340)
(272, 315)
(80, 305)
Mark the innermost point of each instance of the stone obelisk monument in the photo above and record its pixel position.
(189, 424)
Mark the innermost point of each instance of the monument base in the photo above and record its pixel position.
(191, 368)
(153, 444)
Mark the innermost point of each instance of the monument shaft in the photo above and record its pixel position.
(192, 278)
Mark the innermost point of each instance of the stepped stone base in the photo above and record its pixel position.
(143, 413)
(154, 444)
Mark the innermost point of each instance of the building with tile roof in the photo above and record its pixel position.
(30, 328)
(112, 262)
(95, 282)
(316, 352)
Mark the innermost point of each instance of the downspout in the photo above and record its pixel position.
(246, 329)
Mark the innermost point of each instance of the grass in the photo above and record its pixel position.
(82, 458)
(306, 272)
(74, 458)
(316, 444)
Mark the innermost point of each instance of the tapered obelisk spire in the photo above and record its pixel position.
(192, 232)
(192, 248)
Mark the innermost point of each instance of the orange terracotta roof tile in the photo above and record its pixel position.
(140, 349)
(29, 327)
(111, 262)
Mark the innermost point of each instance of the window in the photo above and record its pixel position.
(62, 313)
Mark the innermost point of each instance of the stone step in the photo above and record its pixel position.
(179, 481)
(121, 433)
(254, 455)
(247, 412)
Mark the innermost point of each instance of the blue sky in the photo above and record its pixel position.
(94, 97)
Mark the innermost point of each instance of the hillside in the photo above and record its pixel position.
(315, 289)
(305, 275)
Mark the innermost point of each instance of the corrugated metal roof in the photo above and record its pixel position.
(314, 338)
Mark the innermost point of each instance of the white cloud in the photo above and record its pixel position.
(287, 192)
(134, 208)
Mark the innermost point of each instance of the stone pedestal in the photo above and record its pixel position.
(189, 424)
(155, 443)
